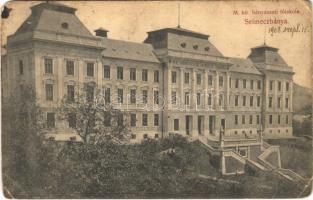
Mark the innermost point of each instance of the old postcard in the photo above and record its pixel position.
(156, 99)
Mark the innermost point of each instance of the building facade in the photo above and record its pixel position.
(176, 81)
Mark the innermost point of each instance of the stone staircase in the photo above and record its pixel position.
(264, 161)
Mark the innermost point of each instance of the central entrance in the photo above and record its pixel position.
(200, 125)
(211, 124)
(188, 124)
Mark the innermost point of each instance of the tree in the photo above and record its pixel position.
(94, 119)
(22, 145)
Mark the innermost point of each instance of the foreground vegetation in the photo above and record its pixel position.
(165, 168)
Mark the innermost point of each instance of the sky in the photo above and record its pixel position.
(228, 32)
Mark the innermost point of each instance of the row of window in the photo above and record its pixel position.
(107, 94)
(243, 119)
(251, 119)
(48, 63)
(279, 85)
(198, 79)
(244, 101)
(279, 100)
(144, 119)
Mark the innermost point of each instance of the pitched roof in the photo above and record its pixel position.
(181, 31)
(266, 54)
(128, 50)
(54, 18)
(243, 65)
(192, 45)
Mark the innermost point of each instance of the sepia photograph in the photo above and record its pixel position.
(156, 99)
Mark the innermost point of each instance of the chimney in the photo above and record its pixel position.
(101, 32)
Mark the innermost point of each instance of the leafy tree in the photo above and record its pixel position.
(96, 120)
(22, 147)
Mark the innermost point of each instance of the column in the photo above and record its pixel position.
(216, 96)
(227, 89)
(99, 74)
(81, 73)
(59, 82)
(169, 86)
(275, 96)
(181, 88)
(282, 103)
(205, 80)
(193, 96)
(290, 92)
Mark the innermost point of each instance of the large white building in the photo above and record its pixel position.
(176, 81)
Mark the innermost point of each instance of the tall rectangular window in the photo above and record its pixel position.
(72, 120)
(271, 85)
(156, 97)
(107, 95)
(187, 98)
(210, 80)
(258, 119)
(198, 79)
(156, 119)
(236, 119)
(132, 74)
(270, 119)
(70, 67)
(258, 101)
(198, 99)
(251, 84)
(278, 119)
(49, 92)
(144, 96)
(133, 96)
(70, 93)
(236, 100)
(21, 67)
(270, 102)
(287, 119)
(278, 102)
(48, 66)
(237, 83)
(50, 120)
(174, 98)
(221, 81)
(287, 86)
(144, 75)
(186, 78)
(243, 119)
(120, 119)
(174, 76)
(244, 100)
(90, 69)
(259, 84)
(120, 73)
(244, 83)
(210, 99)
(279, 86)
(286, 103)
(106, 71)
(251, 101)
(176, 124)
(144, 119)
(133, 119)
(89, 93)
(250, 119)
(156, 76)
(120, 95)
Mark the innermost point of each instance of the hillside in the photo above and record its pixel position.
(302, 99)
